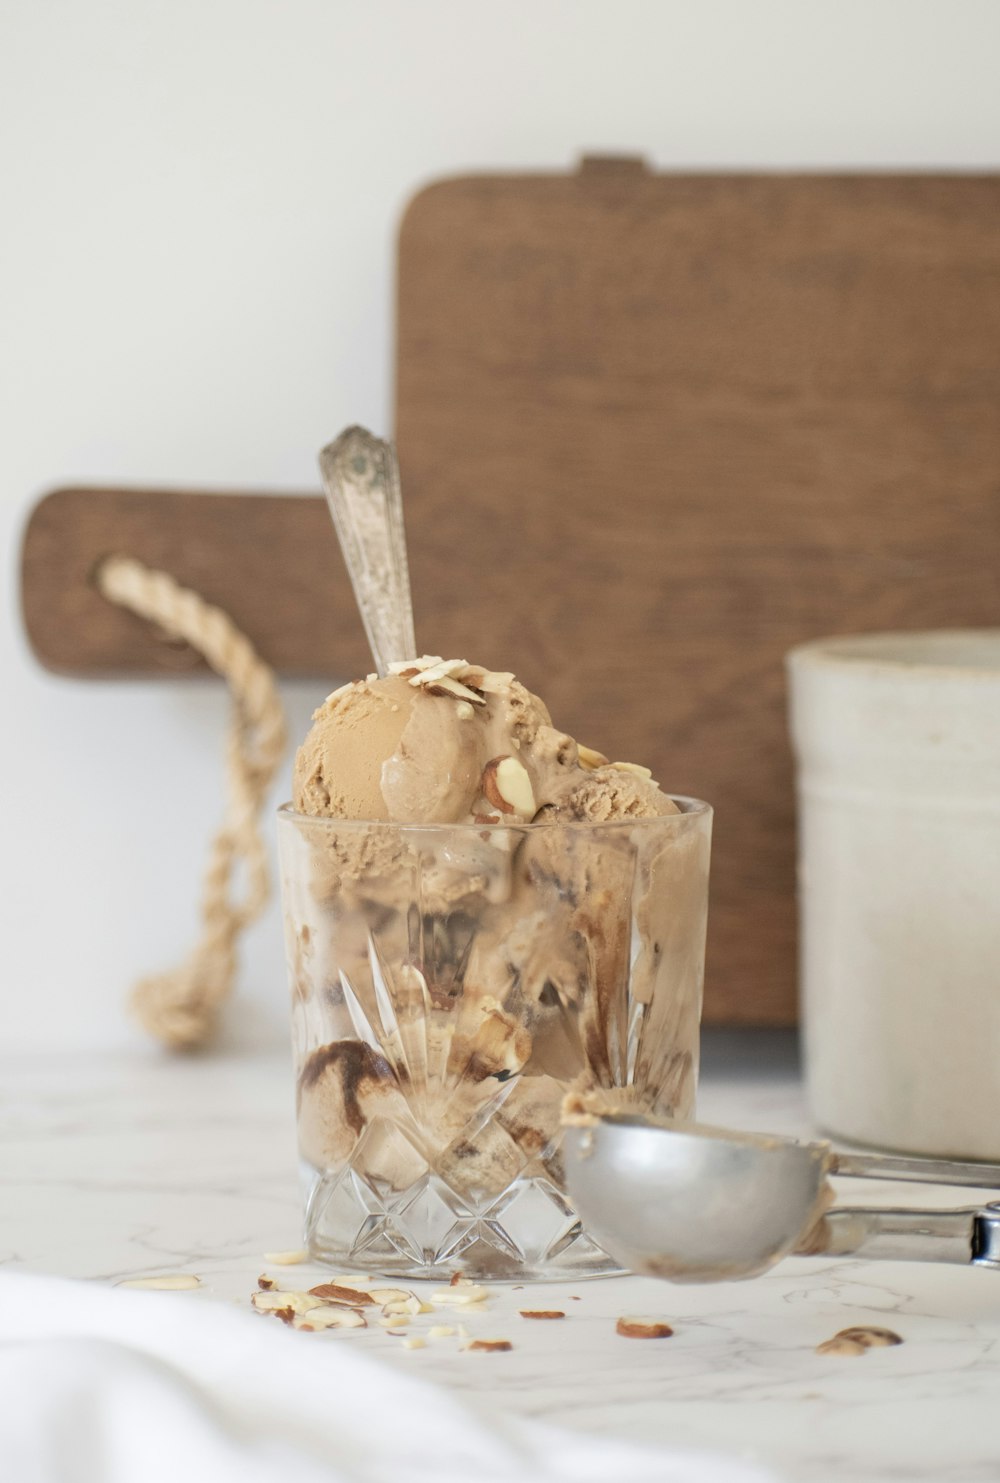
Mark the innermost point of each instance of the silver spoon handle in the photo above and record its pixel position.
(361, 478)
(966, 1237)
(918, 1171)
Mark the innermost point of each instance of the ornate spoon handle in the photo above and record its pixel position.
(361, 478)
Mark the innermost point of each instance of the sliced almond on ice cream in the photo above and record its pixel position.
(438, 669)
(437, 677)
(507, 786)
(450, 687)
(414, 666)
(634, 767)
(591, 759)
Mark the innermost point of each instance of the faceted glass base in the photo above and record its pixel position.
(530, 1232)
(450, 985)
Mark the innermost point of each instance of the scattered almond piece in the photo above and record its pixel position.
(859, 1339)
(167, 1282)
(416, 1342)
(642, 1328)
(840, 1346)
(389, 1294)
(541, 1313)
(440, 1331)
(331, 1292)
(871, 1336)
(265, 1283)
(272, 1302)
(409, 1304)
(488, 1346)
(285, 1258)
(394, 1323)
(462, 1296)
(325, 1317)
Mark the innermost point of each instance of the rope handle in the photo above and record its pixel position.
(180, 1007)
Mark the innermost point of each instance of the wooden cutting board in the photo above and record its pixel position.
(654, 430)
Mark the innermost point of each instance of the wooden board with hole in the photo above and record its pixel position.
(271, 561)
(653, 429)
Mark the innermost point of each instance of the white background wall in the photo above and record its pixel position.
(197, 207)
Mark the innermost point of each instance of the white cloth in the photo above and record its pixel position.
(109, 1386)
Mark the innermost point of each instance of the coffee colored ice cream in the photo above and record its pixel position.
(447, 742)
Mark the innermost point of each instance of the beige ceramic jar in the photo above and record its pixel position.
(898, 744)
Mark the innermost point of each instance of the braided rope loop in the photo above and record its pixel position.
(181, 1006)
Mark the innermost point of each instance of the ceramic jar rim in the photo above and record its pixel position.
(938, 653)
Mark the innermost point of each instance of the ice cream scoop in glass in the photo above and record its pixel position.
(691, 1203)
(481, 915)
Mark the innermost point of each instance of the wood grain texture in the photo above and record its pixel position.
(654, 430)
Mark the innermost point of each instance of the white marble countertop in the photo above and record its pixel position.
(129, 1166)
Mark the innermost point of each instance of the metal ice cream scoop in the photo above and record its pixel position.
(696, 1204)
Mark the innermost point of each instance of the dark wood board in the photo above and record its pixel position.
(271, 561)
(653, 431)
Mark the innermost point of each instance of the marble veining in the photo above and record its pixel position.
(113, 1167)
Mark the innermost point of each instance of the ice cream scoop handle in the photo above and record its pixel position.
(917, 1171)
(969, 1237)
(361, 478)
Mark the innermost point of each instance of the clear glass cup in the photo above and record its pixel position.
(450, 984)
